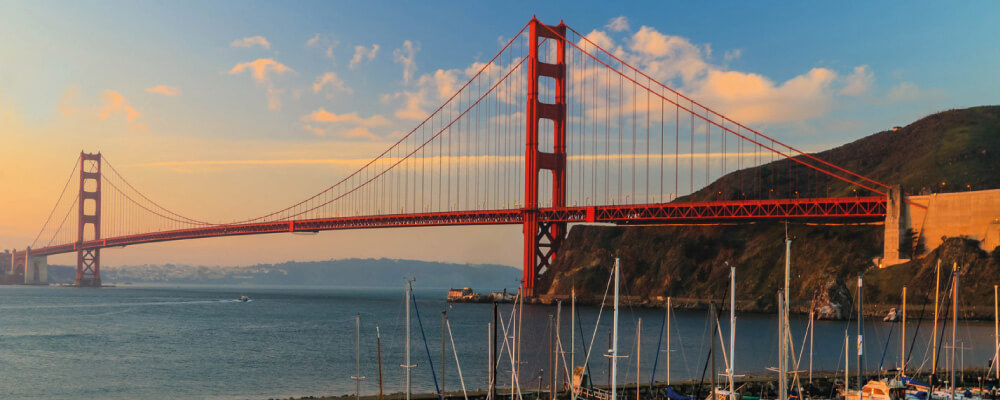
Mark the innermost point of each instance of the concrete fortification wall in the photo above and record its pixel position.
(974, 215)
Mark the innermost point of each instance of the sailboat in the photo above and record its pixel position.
(730, 392)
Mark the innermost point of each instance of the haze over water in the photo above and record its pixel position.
(198, 342)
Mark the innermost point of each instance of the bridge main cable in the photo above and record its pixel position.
(721, 126)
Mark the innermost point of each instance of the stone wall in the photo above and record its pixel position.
(974, 214)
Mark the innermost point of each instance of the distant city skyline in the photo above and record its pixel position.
(271, 102)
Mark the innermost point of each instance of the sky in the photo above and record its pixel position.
(220, 110)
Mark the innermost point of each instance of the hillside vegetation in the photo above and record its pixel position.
(949, 151)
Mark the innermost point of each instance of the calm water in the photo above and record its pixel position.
(196, 342)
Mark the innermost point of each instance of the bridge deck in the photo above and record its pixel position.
(814, 209)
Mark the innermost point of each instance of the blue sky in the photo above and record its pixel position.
(59, 61)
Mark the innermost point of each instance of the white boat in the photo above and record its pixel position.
(722, 394)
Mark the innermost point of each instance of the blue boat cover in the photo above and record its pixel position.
(914, 382)
(673, 395)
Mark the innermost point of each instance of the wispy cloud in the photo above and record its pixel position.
(322, 115)
(251, 42)
(115, 104)
(314, 161)
(322, 122)
(617, 24)
(324, 42)
(262, 70)
(406, 56)
(165, 90)
(332, 81)
(859, 82)
(361, 53)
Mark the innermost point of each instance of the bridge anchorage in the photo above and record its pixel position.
(553, 130)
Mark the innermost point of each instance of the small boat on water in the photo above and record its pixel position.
(876, 390)
(244, 299)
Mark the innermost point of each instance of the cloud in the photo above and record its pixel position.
(752, 98)
(115, 104)
(601, 39)
(430, 90)
(324, 42)
(361, 52)
(262, 70)
(617, 24)
(333, 81)
(251, 42)
(906, 91)
(743, 96)
(313, 40)
(165, 90)
(731, 55)
(666, 57)
(405, 55)
(859, 82)
(909, 91)
(322, 122)
(321, 115)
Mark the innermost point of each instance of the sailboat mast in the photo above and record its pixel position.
(785, 348)
(558, 348)
(444, 364)
(572, 343)
(812, 326)
(493, 354)
(847, 363)
(407, 346)
(669, 310)
(614, 336)
(782, 369)
(378, 346)
(713, 322)
(357, 357)
(489, 359)
(638, 353)
(937, 291)
(954, 323)
(732, 330)
(861, 317)
(902, 340)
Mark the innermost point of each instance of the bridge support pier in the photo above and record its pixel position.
(542, 239)
(88, 261)
(895, 227)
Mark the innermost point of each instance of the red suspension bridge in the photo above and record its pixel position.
(552, 130)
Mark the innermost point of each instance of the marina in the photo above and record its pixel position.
(898, 379)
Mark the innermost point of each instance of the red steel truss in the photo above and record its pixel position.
(841, 209)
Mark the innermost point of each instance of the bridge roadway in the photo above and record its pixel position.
(848, 209)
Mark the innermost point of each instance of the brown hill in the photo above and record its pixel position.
(948, 151)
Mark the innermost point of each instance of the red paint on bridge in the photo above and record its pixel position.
(552, 130)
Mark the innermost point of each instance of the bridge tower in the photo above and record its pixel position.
(88, 261)
(543, 239)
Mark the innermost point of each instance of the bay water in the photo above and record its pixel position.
(200, 342)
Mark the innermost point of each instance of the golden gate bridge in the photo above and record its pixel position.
(553, 130)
